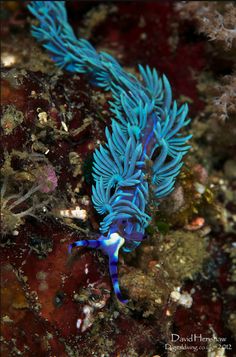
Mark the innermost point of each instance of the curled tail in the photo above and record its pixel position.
(109, 245)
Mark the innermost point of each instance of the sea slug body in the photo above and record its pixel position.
(146, 126)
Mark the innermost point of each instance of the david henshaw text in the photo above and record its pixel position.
(194, 337)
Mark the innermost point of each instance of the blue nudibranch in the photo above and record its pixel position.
(146, 126)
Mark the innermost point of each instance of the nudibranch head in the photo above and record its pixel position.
(110, 245)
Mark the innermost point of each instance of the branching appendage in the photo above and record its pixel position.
(15, 208)
(216, 19)
(36, 179)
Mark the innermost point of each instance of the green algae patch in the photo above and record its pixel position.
(11, 118)
(164, 263)
(182, 255)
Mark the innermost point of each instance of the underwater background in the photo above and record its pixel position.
(181, 280)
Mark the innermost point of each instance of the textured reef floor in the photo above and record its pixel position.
(181, 280)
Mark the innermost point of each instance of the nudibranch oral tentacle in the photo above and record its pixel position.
(110, 245)
(146, 126)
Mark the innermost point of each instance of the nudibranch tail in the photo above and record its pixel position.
(110, 246)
